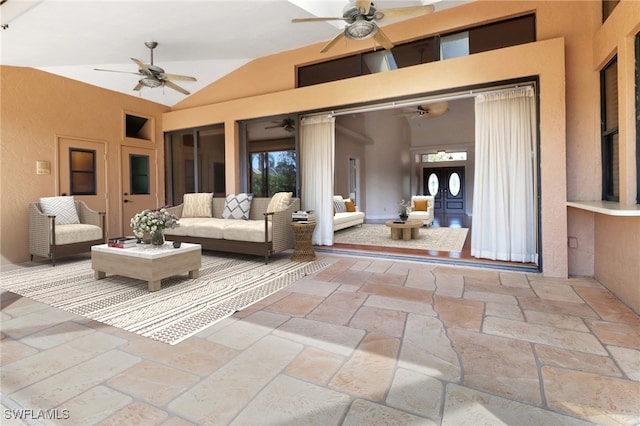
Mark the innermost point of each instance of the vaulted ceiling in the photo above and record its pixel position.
(203, 39)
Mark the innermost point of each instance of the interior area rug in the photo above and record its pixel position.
(433, 238)
(180, 309)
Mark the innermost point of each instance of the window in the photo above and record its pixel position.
(610, 146)
(83, 171)
(443, 156)
(272, 172)
(474, 40)
(637, 118)
(195, 162)
(139, 175)
(607, 8)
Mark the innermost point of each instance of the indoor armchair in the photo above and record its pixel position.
(421, 208)
(61, 226)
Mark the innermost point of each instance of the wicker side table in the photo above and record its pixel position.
(303, 251)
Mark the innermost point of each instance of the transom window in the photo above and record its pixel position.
(443, 156)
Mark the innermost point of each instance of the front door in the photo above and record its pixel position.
(82, 169)
(139, 183)
(446, 185)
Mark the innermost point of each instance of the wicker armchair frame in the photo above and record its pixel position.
(42, 233)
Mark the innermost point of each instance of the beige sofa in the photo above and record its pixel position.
(342, 218)
(263, 233)
(426, 216)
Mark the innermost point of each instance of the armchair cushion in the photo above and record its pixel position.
(77, 233)
(63, 208)
(420, 205)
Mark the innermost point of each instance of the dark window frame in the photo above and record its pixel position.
(637, 114)
(609, 137)
(73, 172)
(305, 73)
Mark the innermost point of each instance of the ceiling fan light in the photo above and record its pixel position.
(150, 82)
(360, 30)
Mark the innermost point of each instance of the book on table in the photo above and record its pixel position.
(122, 242)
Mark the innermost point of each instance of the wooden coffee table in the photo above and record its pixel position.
(407, 230)
(146, 262)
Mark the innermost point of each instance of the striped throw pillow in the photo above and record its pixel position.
(63, 208)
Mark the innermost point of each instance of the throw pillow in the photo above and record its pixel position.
(350, 206)
(198, 205)
(420, 205)
(338, 204)
(237, 206)
(280, 201)
(63, 208)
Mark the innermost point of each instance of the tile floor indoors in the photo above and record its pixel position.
(366, 341)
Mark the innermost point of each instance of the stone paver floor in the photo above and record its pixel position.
(366, 341)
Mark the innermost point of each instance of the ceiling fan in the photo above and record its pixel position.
(154, 76)
(361, 17)
(287, 124)
(435, 109)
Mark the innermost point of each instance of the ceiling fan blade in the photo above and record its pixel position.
(139, 86)
(124, 72)
(329, 45)
(166, 76)
(141, 65)
(298, 20)
(363, 6)
(383, 40)
(405, 12)
(176, 87)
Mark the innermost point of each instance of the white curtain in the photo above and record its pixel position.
(504, 226)
(317, 146)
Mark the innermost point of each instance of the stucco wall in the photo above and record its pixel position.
(39, 107)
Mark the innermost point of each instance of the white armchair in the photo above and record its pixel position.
(421, 208)
(70, 236)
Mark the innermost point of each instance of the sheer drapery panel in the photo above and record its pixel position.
(317, 147)
(504, 224)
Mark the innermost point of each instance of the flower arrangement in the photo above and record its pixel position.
(403, 211)
(153, 220)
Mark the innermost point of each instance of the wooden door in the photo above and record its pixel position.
(82, 171)
(446, 184)
(139, 185)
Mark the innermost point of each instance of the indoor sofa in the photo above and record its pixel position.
(346, 213)
(238, 223)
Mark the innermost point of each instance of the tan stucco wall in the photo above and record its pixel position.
(616, 239)
(37, 108)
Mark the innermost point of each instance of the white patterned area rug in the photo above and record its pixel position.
(180, 309)
(433, 238)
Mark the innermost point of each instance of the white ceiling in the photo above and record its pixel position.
(206, 39)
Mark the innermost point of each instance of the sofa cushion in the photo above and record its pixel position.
(351, 207)
(338, 204)
(345, 218)
(77, 233)
(247, 230)
(280, 201)
(198, 205)
(63, 208)
(237, 206)
(200, 227)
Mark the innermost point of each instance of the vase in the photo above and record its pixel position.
(157, 237)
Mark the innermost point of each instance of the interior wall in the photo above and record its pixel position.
(37, 108)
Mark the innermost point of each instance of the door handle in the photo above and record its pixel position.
(127, 201)
(64, 194)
